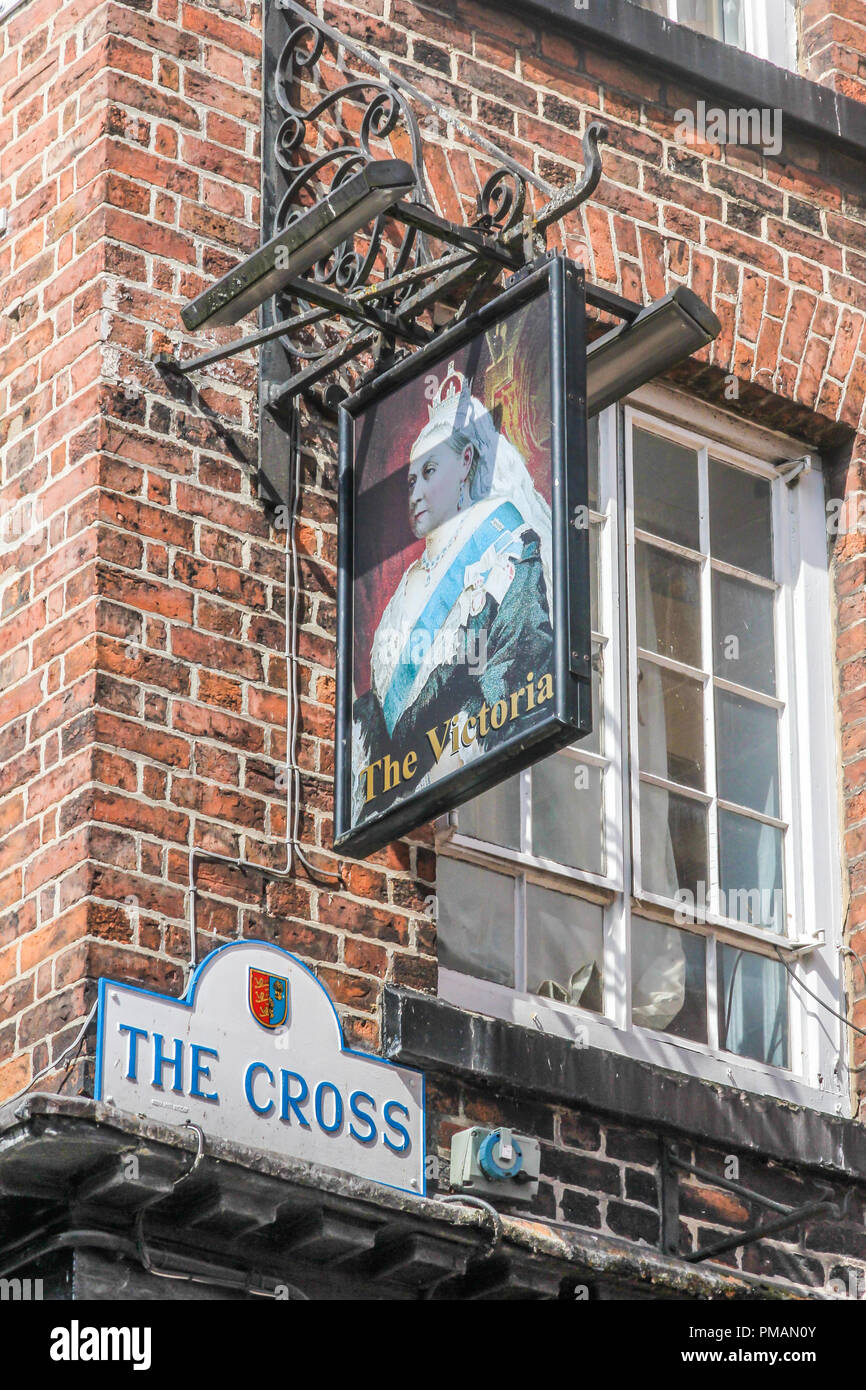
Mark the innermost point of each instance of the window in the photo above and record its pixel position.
(766, 28)
(631, 891)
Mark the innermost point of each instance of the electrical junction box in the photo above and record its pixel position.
(495, 1163)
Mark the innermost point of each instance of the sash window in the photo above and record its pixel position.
(637, 884)
(766, 28)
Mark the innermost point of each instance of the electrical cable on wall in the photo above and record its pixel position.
(293, 772)
(856, 1028)
(847, 1021)
(293, 778)
(848, 951)
(68, 1056)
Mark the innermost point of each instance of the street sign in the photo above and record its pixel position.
(254, 1054)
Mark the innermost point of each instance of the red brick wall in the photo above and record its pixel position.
(834, 45)
(113, 121)
(142, 636)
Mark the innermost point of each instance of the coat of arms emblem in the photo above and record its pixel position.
(269, 998)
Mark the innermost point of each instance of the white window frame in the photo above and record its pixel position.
(704, 449)
(764, 21)
(7, 6)
(818, 1048)
(538, 868)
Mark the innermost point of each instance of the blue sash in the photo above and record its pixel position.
(499, 528)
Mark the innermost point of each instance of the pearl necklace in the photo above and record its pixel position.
(429, 565)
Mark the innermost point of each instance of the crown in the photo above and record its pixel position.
(450, 408)
(449, 393)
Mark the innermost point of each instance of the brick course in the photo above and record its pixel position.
(834, 45)
(143, 687)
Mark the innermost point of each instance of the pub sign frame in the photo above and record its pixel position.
(549, 559)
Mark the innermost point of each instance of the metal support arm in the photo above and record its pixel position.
(670, 1168)
(486, 248)
(505, 250)
(350, 220)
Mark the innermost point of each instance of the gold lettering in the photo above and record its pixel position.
(530, 691)
(391, 772)
(545, 689)
(482, 720)
(436, 743)
(470, 724)
(498, 722)
(454, 727)
(409, 764)
(370, 774)
(515, 701)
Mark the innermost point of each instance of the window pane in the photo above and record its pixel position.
(670, 725)
(673, 841)
(703, 15)
(718, 19)
(566, 813)
(666, 489)
(743, 633)
(750, 871)
(669, 980)
(476, 921)
(734, 17)
(782, 33)
(741, 527)
(494, 816)
(753, 1006)
(747, 752)
(564, 948)
(593, 447)
(668, 604)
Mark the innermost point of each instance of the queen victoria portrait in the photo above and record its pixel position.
(464, 645)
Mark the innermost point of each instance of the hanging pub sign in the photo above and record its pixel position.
(464, 620)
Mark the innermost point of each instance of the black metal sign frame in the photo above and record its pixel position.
(569, 715)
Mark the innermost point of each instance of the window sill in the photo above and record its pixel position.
(426, 1032)
(623, 29)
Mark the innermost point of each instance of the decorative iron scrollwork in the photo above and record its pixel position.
(502, 200)
(387, 284)
(333, 107)
(386, 114)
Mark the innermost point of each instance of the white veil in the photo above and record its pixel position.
(500, 470)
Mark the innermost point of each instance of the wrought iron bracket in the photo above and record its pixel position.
(372, 291)
(670, 1167)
